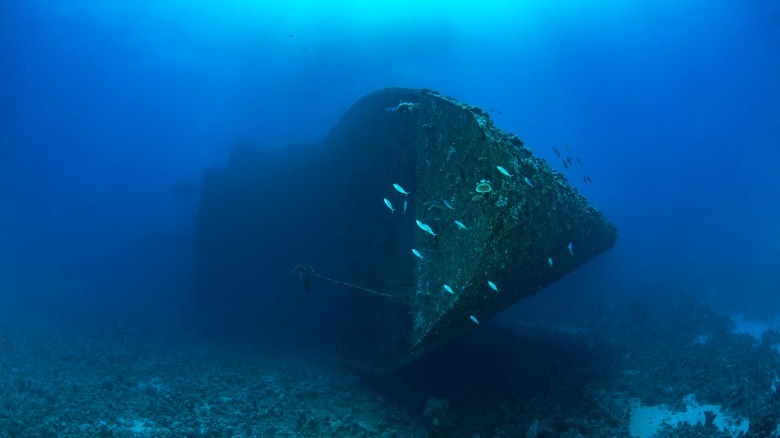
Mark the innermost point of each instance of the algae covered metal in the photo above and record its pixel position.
(422, 201)
(524, 221)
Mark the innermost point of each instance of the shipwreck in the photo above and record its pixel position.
(412, 222)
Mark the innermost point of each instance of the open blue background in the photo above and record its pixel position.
(673, 106)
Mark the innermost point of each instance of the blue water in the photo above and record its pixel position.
(673, 107)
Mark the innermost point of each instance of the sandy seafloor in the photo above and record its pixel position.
(635, 372)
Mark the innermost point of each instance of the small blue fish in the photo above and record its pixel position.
(528, 181)
(571, 248)
(447, 204)
(400, 189)
(389, 205)
(502, 170)
(474, 319)
(417, 253)
(404, 207)
(460, 225)
(425, 228)
(492, 285)
(448, 289)
(549, 262)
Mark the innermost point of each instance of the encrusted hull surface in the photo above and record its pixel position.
(494, 213)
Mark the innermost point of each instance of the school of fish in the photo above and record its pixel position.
(484, 188)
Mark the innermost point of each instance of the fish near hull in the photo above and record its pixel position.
(514, 229)
(439, 149)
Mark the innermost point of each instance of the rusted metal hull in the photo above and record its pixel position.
(512, 230)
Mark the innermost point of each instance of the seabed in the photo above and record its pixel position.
(646, 372)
